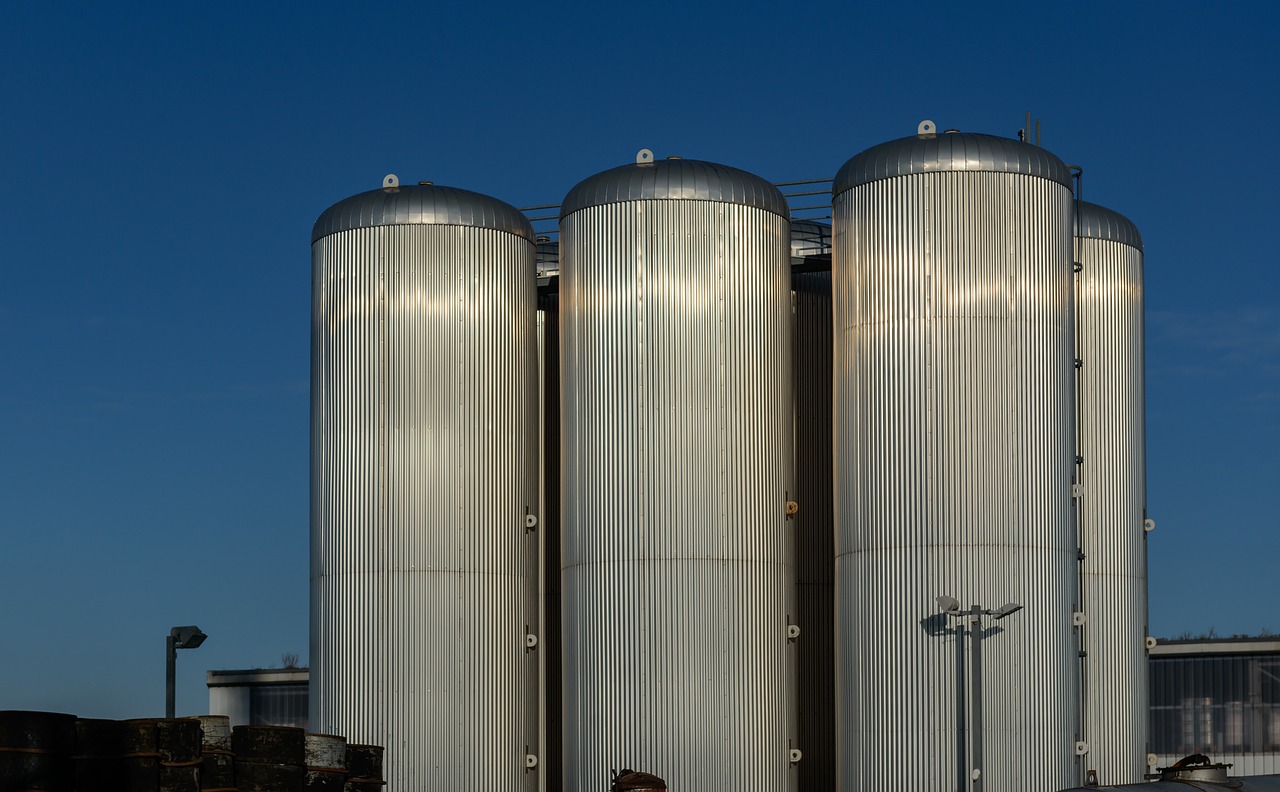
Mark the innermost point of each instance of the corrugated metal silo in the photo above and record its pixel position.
(423, 483)
(815, 540)
(548, 258)
(1112, 431)
(954, 460)
(678, 579)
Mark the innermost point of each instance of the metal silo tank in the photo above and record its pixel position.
(423, 483)
(815, 541)
(678, 579)
(954, 456)
(548, 260)
(1111, 419)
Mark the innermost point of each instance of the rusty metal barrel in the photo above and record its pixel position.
(217, 762)
(269, 758)
(151, 754)
(36, 750)
(326, 763)
(364, 768)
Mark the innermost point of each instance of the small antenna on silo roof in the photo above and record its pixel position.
(926, 127)
(644, 157)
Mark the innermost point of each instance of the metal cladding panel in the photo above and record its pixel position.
(678, 580)
(954, 455)
(1112, 508)
(954, 151)
(815, 539)
(423, 467)
(550, 776)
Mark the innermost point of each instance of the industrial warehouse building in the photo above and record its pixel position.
(661, 491)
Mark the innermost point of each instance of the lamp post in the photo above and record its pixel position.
(973, 617)
(188, 637)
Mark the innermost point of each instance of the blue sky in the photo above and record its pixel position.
(162, 167)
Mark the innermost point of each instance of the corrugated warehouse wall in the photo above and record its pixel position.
(954, 459)
(1113, 505)
(423, 472)
(678, 579)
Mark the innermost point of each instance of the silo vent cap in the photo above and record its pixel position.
(425, 183)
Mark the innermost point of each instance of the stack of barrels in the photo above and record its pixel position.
(364, 763)
(54, 752)
(143, 754)
(36, 750)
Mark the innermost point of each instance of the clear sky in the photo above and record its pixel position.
(161, 167)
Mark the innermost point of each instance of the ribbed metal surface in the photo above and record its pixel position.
(677, 465)
(1113, 505)
(815, 538)
(421, 205)
(675, 179)
(551, 701)
(423, 467)
(957, 151)
(954, 456)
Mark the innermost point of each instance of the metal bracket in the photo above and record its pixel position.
(1082, 747)
(1077, 490)
(530, 640)
(390, 181)
(793, 632)
(1148, 525)
(1077, 618)
(794, 756)
(927, 127)
(530, 761)
(530, 522)
(644, 157)
(793, 508)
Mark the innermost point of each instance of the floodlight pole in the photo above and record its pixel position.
(170, 672)
(975, 706)
(188, 637)
(972, 620)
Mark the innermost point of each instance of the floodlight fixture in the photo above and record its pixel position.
(948, 605)
(188, 637)
(1006, 609)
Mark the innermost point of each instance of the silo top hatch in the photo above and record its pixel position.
(949, 151)
(421, 204)
(1099, 222)
(675, 179)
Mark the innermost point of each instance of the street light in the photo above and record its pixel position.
(951, 607)
(188, 637)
